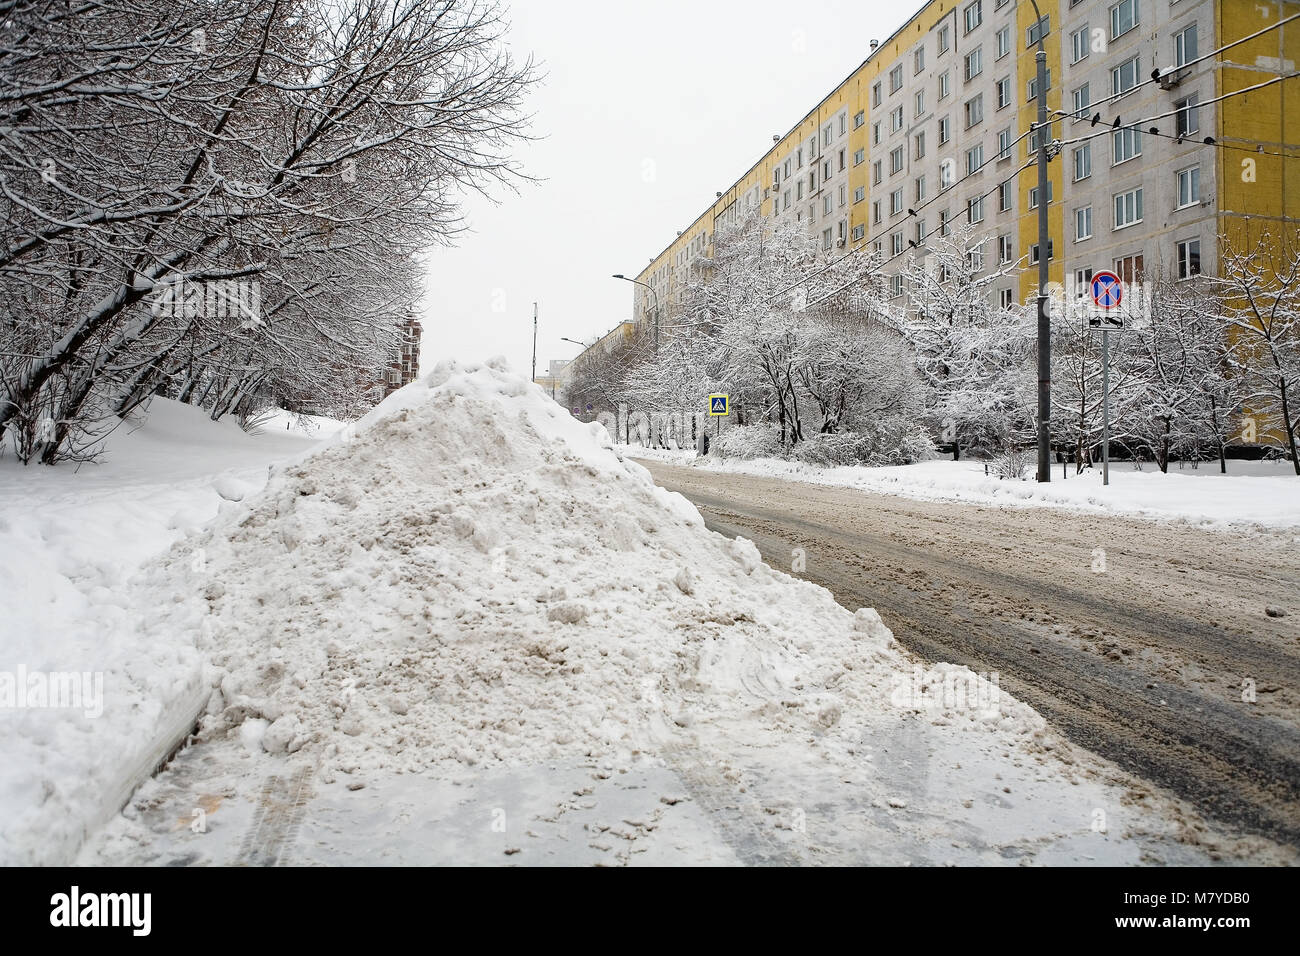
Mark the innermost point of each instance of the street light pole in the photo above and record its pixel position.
(1044, 318)
(619, 275)
(534, 341)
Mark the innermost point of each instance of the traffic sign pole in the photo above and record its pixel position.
(1105, 414)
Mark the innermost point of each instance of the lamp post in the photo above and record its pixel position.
(1044, 318)
(619, 275)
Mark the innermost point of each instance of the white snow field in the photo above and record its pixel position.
(467, 631)
(69, 541)
(1252, 493)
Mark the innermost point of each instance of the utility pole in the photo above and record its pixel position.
(1044, 317)
(534, 341)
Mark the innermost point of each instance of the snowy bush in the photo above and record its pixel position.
(892, 442)
(751, 441)
(1014, 463)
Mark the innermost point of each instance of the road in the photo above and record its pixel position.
(1145, 642)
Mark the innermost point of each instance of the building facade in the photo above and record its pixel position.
(935, 127)
(404, 362)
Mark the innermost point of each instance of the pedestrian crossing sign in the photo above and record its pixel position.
(718, 405)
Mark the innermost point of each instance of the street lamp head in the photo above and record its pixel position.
(619, 275)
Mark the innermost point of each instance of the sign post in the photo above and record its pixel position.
(1107, 294)
(719, 407)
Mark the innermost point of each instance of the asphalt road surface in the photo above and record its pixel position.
(1145, 642)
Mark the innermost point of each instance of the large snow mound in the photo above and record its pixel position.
(469, 576)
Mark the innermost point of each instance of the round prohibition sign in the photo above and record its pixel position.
(1107, 290)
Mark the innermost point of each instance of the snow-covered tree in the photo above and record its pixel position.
(971, 353)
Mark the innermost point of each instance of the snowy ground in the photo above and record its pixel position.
(70, 539)
(468, 631)
(1266, 494)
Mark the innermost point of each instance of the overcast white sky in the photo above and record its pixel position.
(692, 90)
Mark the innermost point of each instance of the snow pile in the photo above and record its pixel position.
(471, 577)
(70, 541)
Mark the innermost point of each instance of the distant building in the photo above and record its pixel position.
(404, 363)
(554, 380)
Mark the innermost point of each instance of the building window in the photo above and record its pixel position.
(859, 231)
(1189, 258)
(1033, 195)
(876, 95)
(1004, 298)
(826, 170)
(1123, 17)
(896, 202)
(1033, 251)
(1004, 143)
(974, 159)
(1128, 144)
(973, 15)
(1125, 76)
(859, 193)
(1004, 42)
(920, 188)
(1004, 197)
(974, 111)
(1082, 100)
(877, 173)
(919, 145)
(798, 190)
(875, 212)
(1032, 86)
(875, 133)
(828, 238)
(896, 79)
(843, 157)
(943, 84)
(1083, 162)
(1187, 120)
(896, 243)
(943, 223)
(859, 118)
(975, 259)
(1128, 208)
(1004, 249)
(918, 60)
(920, 231)
(859, 157)
(974, 64)
(1189, 186)
(799, 157)
(895, 160)
(1004, 92)
(1129, 268)
(920, 102)
(896, 282)
(1082, 283)
(1079, 44)
(896, 119)
(787, 200)
(945, 130)
(943, 39)
(878, 247)
(975, 210)
(1082, 223)
(827, 205)
(1039, 29)
(1185, 45)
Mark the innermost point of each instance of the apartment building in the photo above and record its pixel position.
(404, 362)
(935, 127)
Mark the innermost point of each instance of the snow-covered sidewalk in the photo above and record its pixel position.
(1264, 495)
(70, 541)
